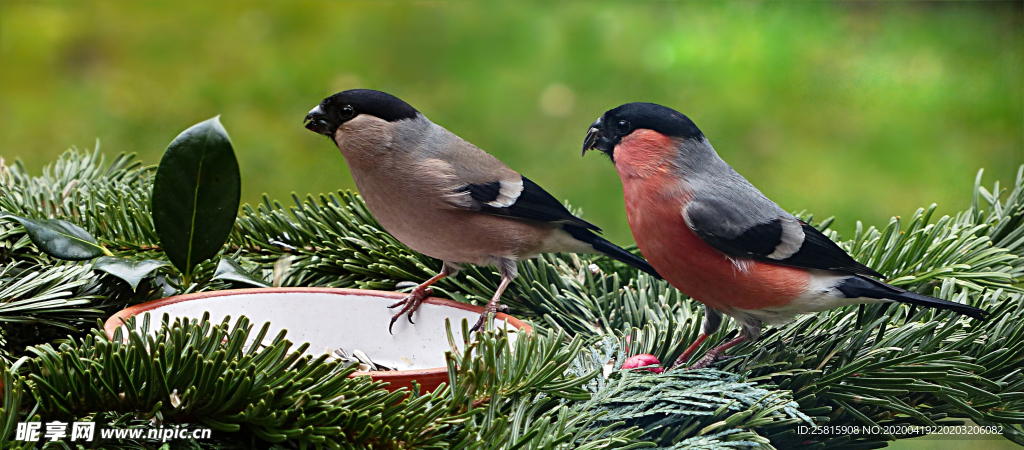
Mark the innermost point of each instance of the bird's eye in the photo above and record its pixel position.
(622, 126)
(347, 112)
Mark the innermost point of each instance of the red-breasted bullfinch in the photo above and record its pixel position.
(446, 198)
(718, 239)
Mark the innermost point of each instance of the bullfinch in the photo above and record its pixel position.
(718, 239)
(446, 198)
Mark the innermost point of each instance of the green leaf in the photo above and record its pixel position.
(230, 270)
(61, 239)
(128, 270)
(196, 195)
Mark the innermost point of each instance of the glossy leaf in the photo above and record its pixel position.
(196, 195)
(128, 270)
(61, 239)
(228, 269)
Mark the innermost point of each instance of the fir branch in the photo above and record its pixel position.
(838, 364)
(43, 303)
(921, 369)
(516, 390)
(12, 396)
(680, 405)
(28, 296)
(110, 200)
(192, 370)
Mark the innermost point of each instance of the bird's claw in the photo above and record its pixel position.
(479, 323)
(409, 305)
(709, 358)
(488, 310)
(421, 293)
(391, 325)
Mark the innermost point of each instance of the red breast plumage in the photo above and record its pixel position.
(655, 197)
(716, 237)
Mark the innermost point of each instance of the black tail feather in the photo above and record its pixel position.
(860, 286)
(611, 250)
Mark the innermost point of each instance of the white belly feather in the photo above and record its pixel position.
(821, 295)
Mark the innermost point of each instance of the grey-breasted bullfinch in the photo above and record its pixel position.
(446, 198)
(718, 239)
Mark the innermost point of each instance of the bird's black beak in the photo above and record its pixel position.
(593, 135)
(316, 121)
(591, 140)
(597, 139)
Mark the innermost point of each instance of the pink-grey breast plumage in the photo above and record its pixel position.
(446, 198)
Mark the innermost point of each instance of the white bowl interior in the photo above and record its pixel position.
(332, 320)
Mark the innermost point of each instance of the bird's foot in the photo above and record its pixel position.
(709, 358)
(689, 350)
(488, 310)
(479, 322)
(409, 304)
(712, 355)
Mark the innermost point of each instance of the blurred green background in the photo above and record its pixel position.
(859, 110)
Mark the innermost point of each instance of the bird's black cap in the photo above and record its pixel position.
(339, 108)
(606, 132)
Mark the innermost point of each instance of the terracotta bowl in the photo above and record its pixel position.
(332, 318)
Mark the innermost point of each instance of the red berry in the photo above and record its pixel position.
(643, 360)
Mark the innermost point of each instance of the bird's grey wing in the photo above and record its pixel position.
(778, 238)
(521, 199)
(487, 185)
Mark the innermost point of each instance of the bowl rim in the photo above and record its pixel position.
(113, 322)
